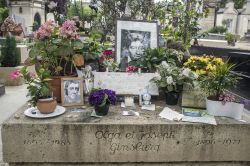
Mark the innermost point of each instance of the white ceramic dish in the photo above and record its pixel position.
(35, 113)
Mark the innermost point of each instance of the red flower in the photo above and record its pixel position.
(130, 69)
(107, 52)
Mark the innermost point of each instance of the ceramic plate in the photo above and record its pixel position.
(35, 113)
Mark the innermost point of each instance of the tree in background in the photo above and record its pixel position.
(181, 23)
(4, 12)
(110, 10)
(76, 8)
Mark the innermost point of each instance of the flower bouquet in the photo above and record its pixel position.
(171, 78)
(101, 99)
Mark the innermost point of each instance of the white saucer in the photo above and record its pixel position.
(58, 111)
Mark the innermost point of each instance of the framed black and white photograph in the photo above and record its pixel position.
(133, 37)
(72, 91)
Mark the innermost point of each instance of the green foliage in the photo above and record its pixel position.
(218, 29)
(171, 77)
(10, 56)
(230, 38)
(92, 47)
(238, 4)
(38, 86)
(4, 13)
(110, 10)
(182, 20)
(154, 57)
(84, 12)
(219, 80)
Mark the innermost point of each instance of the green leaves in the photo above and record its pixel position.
(222, 79)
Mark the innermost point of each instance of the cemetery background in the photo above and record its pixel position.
(40, 9)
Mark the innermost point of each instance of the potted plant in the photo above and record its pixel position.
(10, 59)
(54, 48)
(39, 89)
(216, 84)
(171, 78)
(202, 65)
(155, 56)
(101, 99)
(231, 39)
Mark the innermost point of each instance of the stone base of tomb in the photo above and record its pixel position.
(76, 138)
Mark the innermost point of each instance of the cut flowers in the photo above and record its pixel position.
(171, 77)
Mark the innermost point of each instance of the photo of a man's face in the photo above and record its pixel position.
(134, 43)
(72, 91)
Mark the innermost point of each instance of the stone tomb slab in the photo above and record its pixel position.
(78, 138)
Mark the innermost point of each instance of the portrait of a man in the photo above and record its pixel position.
(133, 38)
(72, 92)
(134, 43)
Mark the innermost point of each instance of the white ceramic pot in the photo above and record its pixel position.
(229, 109)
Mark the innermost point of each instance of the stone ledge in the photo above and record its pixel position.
(137, 164)
(78, 138)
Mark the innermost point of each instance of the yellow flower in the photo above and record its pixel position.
(197, 71)
(202, 71)
(195, 66)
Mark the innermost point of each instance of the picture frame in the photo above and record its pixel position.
(133, 37)
(72, 91)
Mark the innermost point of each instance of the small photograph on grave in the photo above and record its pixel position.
(72, 91)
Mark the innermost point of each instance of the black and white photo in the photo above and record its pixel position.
(72, 91)
(133, 38)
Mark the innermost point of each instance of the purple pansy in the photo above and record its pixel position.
(97, 97)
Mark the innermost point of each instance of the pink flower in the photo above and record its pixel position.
(130, 69)
(15, 74)
(69, 30)
(226, 98)
(45, 31)
(32, 75)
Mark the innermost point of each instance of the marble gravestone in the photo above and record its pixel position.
(125, 83)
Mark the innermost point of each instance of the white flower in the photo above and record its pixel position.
(165, 64)
(170, 80)
(195, 75)
(186, 72)
(157, 76)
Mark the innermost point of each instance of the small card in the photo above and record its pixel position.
(150, 107)
(169, 114)
(130, 113)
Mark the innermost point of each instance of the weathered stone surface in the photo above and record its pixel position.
(77, 138)
(137, 164)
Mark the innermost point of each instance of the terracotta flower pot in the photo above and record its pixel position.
(56, 87)
(46, 106)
